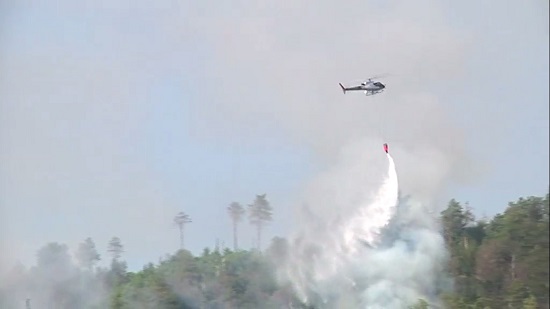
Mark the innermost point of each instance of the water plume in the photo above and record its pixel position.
(367, 223)
(375, 256)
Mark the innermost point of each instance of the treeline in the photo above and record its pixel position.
(497, 263)
(501, 263)
(217, 278)
(259, 211)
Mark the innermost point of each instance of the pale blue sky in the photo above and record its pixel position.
(506, 99)
(113, 120)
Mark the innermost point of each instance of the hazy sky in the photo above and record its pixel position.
(115, 117)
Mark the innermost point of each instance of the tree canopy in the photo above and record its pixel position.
(498, 263)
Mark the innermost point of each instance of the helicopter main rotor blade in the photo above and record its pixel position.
(378, 76)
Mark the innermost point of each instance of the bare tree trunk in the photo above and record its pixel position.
(259, 236)
(513, 267)
(235, 243)
(181, 237)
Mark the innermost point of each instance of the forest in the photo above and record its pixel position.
(501, 262)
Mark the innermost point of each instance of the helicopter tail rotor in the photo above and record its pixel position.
(343, 88)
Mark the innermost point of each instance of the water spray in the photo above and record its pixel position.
(372, 254)
(319, 263)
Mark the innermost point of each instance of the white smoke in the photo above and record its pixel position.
(373, 253)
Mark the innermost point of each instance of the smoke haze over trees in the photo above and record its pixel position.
(500, 262)
(115, 116)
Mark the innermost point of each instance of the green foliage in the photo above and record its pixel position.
(117, 274)
(502, 263)
(530, 303)
(498, 263)
(87, 254)
(180, 220)
(421, 304)
(236, 212)
(259, 213)
(115, 248)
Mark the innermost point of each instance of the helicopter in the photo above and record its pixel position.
(369, 86)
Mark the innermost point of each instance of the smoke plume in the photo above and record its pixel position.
(372, 251)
